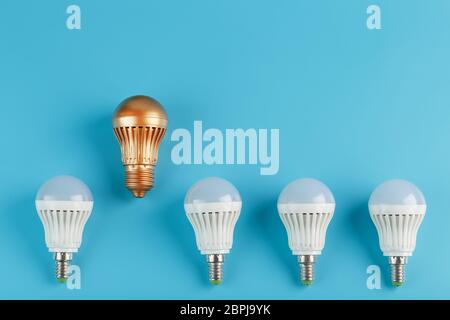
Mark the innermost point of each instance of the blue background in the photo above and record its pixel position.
(354, 107)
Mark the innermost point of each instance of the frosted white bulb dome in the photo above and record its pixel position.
(397, 192)
(64, 205)
(306, 191)
(211, 190)
(64, 188)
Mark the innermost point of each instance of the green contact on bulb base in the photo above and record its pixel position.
(61, 280)
(216, 282)
(397, 283)
(307, 282)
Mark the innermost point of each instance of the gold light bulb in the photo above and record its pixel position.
(139, 124)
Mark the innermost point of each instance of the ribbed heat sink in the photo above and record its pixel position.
(397, 232)
(63, 228)
(306, 231)
(139, 145)
(214, 230)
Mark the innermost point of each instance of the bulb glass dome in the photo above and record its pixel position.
(306, 191)
(397, 192)
(64, 188)
(212, 190)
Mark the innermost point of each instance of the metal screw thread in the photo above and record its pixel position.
(139, 179)
(215, 266)
(306, 263)
(398, 266)
(62, 260)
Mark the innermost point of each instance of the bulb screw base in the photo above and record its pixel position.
(62, 260)
(398, 266)
(215, 265)
(306, 263)
(139, 178)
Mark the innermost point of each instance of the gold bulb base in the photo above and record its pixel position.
(139, 179)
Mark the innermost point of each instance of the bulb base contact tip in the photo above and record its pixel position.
(62, 260)
(139, 179)
(307, 282)
(215, 266)
(398, 268)
(306, 263)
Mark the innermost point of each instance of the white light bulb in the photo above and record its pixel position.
(64, 204)
(306, 207)
(213, 206)
(397, 208)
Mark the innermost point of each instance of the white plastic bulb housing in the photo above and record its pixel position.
(397, 208)
(306, 207)
(213, 206)
(64, 204)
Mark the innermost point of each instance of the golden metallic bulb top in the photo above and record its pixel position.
(140, 111)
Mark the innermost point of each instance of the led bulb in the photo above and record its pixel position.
(213, 206)
(139, 123)
(64, 204)
(397, 208)
(306, 207)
